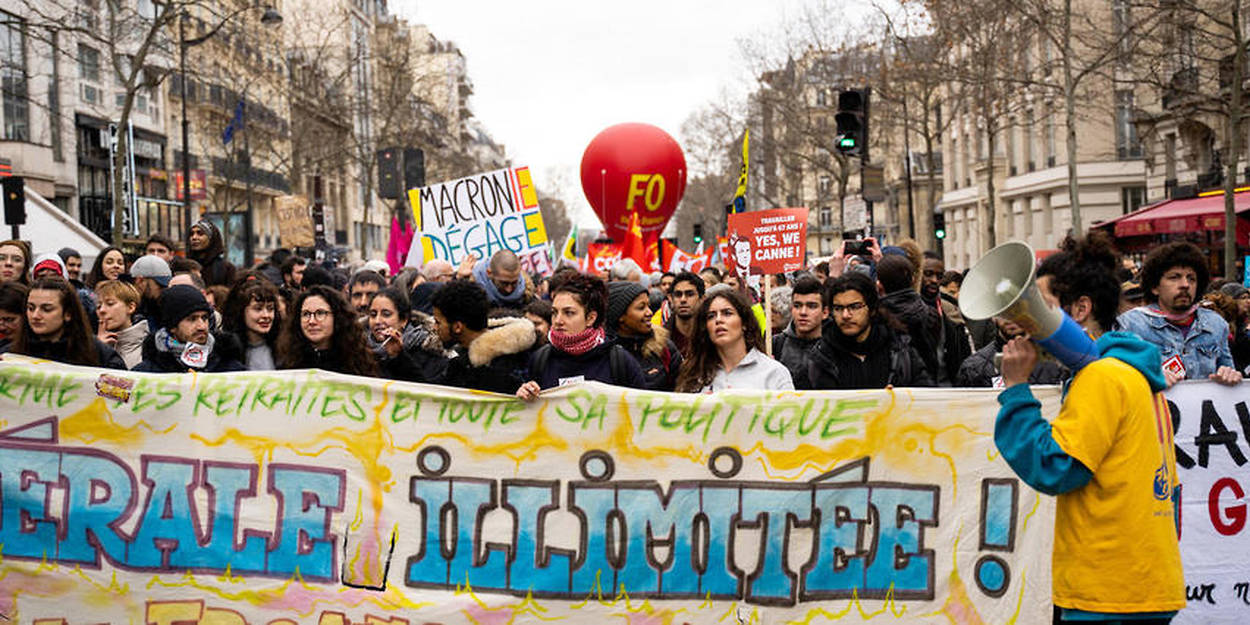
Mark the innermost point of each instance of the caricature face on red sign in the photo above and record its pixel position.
(768, 241)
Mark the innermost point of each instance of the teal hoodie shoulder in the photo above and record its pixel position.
(1136, 352)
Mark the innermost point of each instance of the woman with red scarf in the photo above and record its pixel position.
(578, 348)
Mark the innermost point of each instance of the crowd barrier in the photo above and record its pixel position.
(303, 497)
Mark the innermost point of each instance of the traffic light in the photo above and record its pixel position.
(14, 200)
(414, 168)
(852, 121)
(698, 233)
(388, 173)
(939, 226)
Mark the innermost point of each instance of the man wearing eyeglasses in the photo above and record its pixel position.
(861, 346)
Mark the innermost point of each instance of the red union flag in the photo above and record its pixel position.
(600, 257)
(767, 241)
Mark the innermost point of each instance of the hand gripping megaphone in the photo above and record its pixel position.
(1001, 284)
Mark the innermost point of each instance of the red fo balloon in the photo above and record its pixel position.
(633, 167)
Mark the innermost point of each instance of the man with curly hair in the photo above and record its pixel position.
(1193, 340)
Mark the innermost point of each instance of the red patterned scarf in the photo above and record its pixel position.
(576, 344)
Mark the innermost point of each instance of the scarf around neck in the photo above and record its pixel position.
(193, 355)
(579, 343)
(1177, 318)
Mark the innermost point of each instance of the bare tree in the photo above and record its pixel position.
(984, 39)
(137, 43)
(1197, 60)
(911, 82)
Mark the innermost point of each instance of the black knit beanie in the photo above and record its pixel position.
(178, 302)
(620, 295)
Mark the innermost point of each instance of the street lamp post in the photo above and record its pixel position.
(270, 17)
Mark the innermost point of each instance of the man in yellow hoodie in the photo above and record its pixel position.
(1108, 456)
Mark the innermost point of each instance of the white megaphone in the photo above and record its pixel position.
(1001, 285)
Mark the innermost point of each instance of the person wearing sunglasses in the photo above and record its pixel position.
(862, 346)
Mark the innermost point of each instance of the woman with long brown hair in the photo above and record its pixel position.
(14, 261)
(323, 333)
(727, 350)
(55, 328)
(109, 265)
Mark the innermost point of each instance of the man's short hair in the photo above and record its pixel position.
(288, 265)
(196, 280)
(162, 240)
(932, 255)
(954, 277)
(808, 285)
(895, 273)
(464, 301)
(1167, 256)
(714, 271)
(182, 264)
(692, 278)
(822, 267)
(781, 279)
(541, 309)
(623, 268)
(504, 260)
(366, 275)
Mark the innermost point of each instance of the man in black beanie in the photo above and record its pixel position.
(629, 320)
(185, 342)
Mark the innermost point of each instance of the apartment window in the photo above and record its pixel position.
(1030, 164)
(1010, 136)
(88, 63)
(1131, 199)
(825, 186)
(826, 217)
(821, 98)
(1050, 139)
(1121, 28)
(1127, 145)
(13, 77)
(1169, 156)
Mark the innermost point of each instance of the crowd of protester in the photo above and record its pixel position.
(887, 317)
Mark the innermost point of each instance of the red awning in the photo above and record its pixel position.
(1180, 216)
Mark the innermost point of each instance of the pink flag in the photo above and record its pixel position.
(397, 247)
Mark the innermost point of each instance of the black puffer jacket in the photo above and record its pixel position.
(106, 356)
(227, 355)
(885, 358)
(978, 370)
(657, 355)
(796, 354)
(497, 361)
(923, 323)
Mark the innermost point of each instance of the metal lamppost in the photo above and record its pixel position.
(271, 17)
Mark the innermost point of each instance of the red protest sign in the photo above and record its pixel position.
(768, 241)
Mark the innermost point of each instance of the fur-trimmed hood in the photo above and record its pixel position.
(503, 337)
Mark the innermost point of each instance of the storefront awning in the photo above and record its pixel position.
(1181, 216)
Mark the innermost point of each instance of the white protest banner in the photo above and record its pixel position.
(303, 497)
(1212, 430)
(480, 214)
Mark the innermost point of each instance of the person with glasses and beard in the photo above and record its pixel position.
(862, 346)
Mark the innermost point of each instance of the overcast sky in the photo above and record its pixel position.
(548, 75)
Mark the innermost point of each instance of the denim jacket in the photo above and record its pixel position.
(1203, 350)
